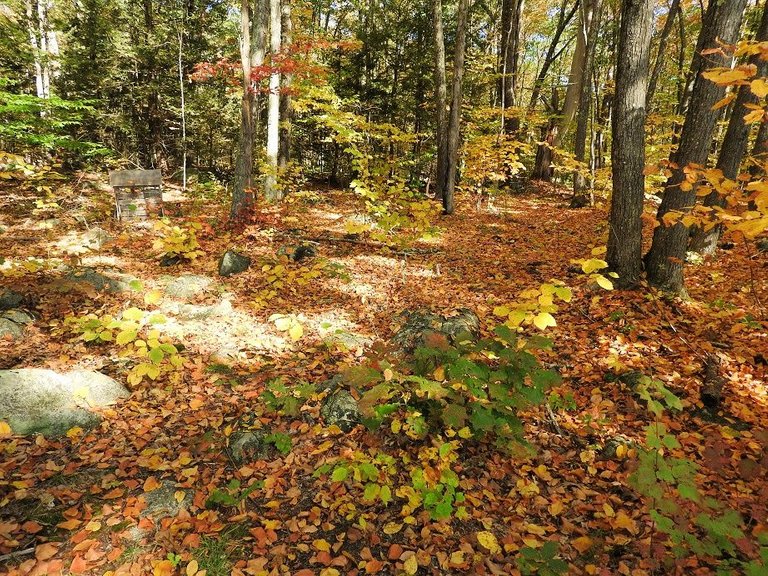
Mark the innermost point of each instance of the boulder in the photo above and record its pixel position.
(18, 316)
(163, 503)
(341, 409)
(233, 263)
(9, 329)
(419, 325)
(10, 299)
(187, 286)
(35, 400)
(113, 282)
(247, 445)
(186, 312)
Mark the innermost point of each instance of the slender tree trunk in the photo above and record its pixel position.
(734, 145)
(242, 190)
(441, 102)
(271, 191)
(509, 52)
(286, 105)
(664, 261)
(577, 75)
(625, 231)
(454, 122)
(674, 7)
(581, 196)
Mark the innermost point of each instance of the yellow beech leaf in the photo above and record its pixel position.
(488, 541)
(535, 529)
(457, 557)
(5, 429)
(556, 508)
(582, 544)
(93, 526)
(623, 521)
(759, 87)
(725, 101)
(726, 76)
(543, 320)
(296, 331)
(153, 297)
(321, 545)
(150, 484)
(754, 116)
(192, 568)
(392, 528)
(411, 565)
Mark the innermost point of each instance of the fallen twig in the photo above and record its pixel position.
(377, 245)
(16, 554)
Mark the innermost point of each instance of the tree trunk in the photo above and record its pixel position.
(441, 102)
(509, 52)
(286, 106)
(581, 197)
(577, 74)
(734, 145)
(242, 189)
(674, 7)
(454, 122)
(628, 149)
(664, 261)
(271, 191)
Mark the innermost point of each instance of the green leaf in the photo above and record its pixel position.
(125, 337)
(156, 355)
(385, 495)
(339, 474)
(371, 491)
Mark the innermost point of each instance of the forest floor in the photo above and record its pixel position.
(76, 504)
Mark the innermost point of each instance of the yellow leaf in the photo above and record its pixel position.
(282, 323)
(724, 101)
(589, 266)
(625, 522)
(501, 311)
(582, 544)
(726, 76)
(621, 450)
(759, 87)
(556, 508)
(457, 557)
(488, 541)
(329, 572)
(603, 282)
(163, 568)
(296, 331)
(543, 320)
(439, 373)
(93, 526)
(179, 496)
(754, 116)
(411, 565)
(74, 432)
(153, 297)
(392, 528)
(5, 429)
(192, 568)
(535, 529)
(608, 510)
(321, 545)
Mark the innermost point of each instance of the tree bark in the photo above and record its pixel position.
(509, 52)
(734, 145)
(271, 191)
(581, 197)
(286, 105)
(664, 261)
(242, 190)
(441, 102)
(625, 231)
(454, 121)
(674, 7)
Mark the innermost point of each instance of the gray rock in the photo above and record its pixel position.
(35, 400)
(248, 445)
(419, 325)
(187, 286)
(18, 316)
(186, 312)
(96, 238)
(114, 282)
(762, 245)
(340, 408)
(9, 328)
(162, 503)
(9, 299)
(233, 263)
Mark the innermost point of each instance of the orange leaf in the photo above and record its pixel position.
(373, 566)
(582, 544)
(150, 484)
(79, 565)
(70, 524)
(46, 551)
(31, 527)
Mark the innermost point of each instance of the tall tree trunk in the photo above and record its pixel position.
(628, 149)
(581, 196)
(271, 191)
(669, 23)
(576, 76)
(734, 145)
(454, 122)
(441, 101)
(286, 106)
(242, 190)
(664, 261)
(509, 52)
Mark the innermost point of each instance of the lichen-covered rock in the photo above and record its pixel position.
(18, 316)
(35, 400)
(10, 299)
(198, 312)
(187, 286)
(9, 329)
(419, 325)
(762, 245)
(247, 445)
(341, 409)
(112, 282)
(163, 503)
(233, 263)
